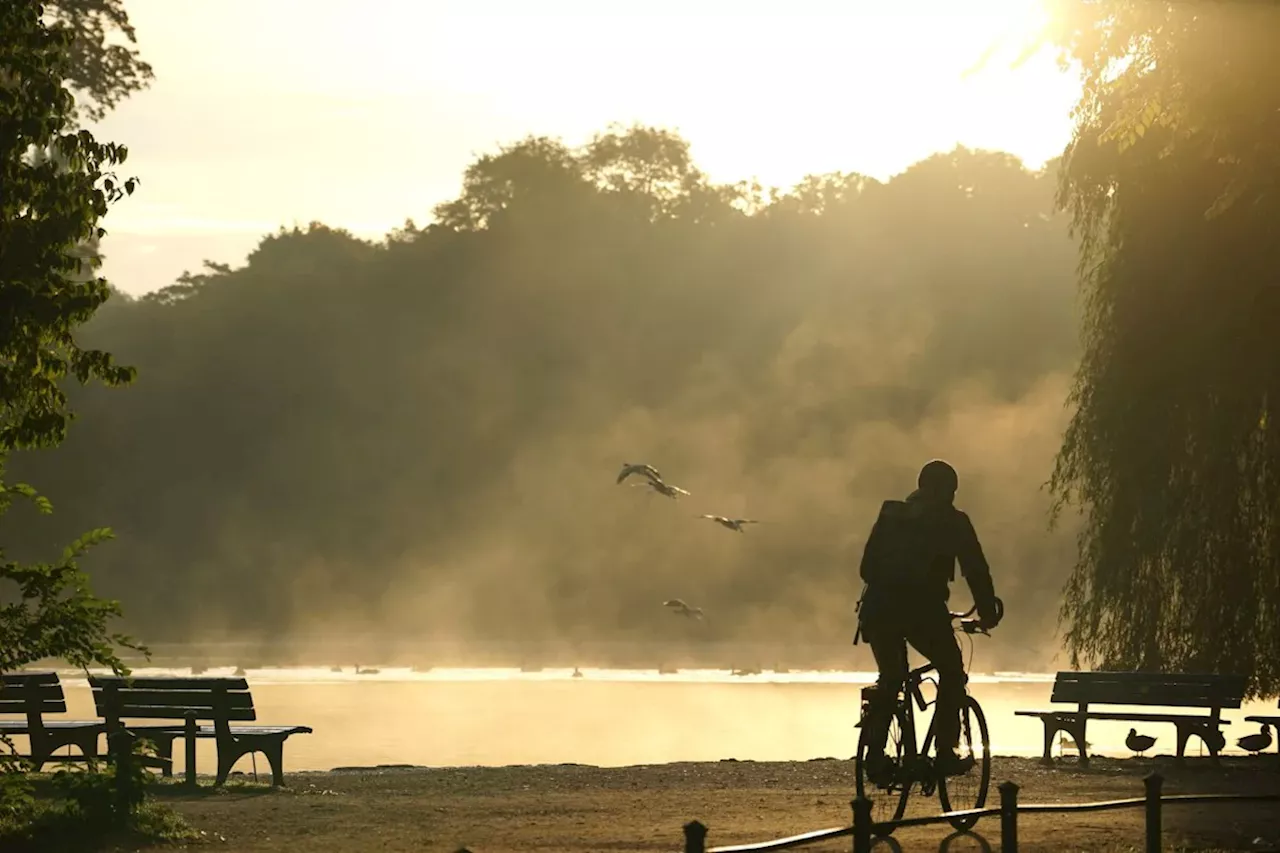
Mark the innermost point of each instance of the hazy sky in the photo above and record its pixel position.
(279, 112)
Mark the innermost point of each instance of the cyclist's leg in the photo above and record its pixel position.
(890, 650)
(934, 638)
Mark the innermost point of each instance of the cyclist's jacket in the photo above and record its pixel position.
(910, 557)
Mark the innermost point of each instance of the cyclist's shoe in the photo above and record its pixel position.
(880, 771)
(953, 765)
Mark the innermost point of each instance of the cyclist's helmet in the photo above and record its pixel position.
(938, 478)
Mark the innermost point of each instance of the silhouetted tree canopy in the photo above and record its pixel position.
(419, 436)
(1171, 183)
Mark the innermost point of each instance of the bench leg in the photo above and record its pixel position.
(164, 751)
(1183, 735)
(274, 751)
(1082, 746)
(1210, 735)
(88, 744)
(1050, 729)
(229, 752)
(272, 748)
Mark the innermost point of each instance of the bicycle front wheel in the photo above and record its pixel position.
(969, 791)
(888, 802)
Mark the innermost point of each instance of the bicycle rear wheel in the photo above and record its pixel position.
(969, 791)
(888, 803)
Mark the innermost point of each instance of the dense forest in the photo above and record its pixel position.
(418, 437)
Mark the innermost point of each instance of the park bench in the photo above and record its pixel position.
(34, 694)
(1086, 690)
(219, 701)
(1270, 720)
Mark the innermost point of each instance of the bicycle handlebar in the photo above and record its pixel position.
(974, 626)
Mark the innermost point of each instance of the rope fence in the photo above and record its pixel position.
(864, 829)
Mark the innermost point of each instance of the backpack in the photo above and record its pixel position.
(909, 540)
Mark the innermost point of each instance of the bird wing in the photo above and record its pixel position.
(678, 489)
(674, 602)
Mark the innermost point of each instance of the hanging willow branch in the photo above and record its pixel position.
(1171, 182)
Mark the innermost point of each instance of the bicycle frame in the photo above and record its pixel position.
(909, 699)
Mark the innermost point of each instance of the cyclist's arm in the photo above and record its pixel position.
(973, 565)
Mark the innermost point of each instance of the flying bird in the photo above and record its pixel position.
(666, 489)
(678, 606)
(1139, 743)
(731, 523)
(629, 468)
(1258, 742)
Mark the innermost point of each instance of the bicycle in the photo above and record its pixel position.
(910, 767)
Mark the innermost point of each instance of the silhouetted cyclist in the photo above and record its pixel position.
(908, 565)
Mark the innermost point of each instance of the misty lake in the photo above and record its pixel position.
(607, 717)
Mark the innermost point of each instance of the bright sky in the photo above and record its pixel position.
(278, 112)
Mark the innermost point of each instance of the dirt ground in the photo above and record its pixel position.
(579, 808)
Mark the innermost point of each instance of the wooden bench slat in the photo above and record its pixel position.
(172, 698)
(211, 731)
(19, 727)
(1143, 688)
(1173, 699)
(167, 683)
(1126, 715)
(169, 712)
(1148, 677)
(19, 706)
(1208, 684)
(16, 692)
(21, 678)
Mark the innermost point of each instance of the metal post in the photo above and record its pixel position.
(1009, 817)
(190, 736)
(695, 837)
(861, 825)
(1154, 783)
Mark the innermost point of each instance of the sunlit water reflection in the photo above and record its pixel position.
(607, 717)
